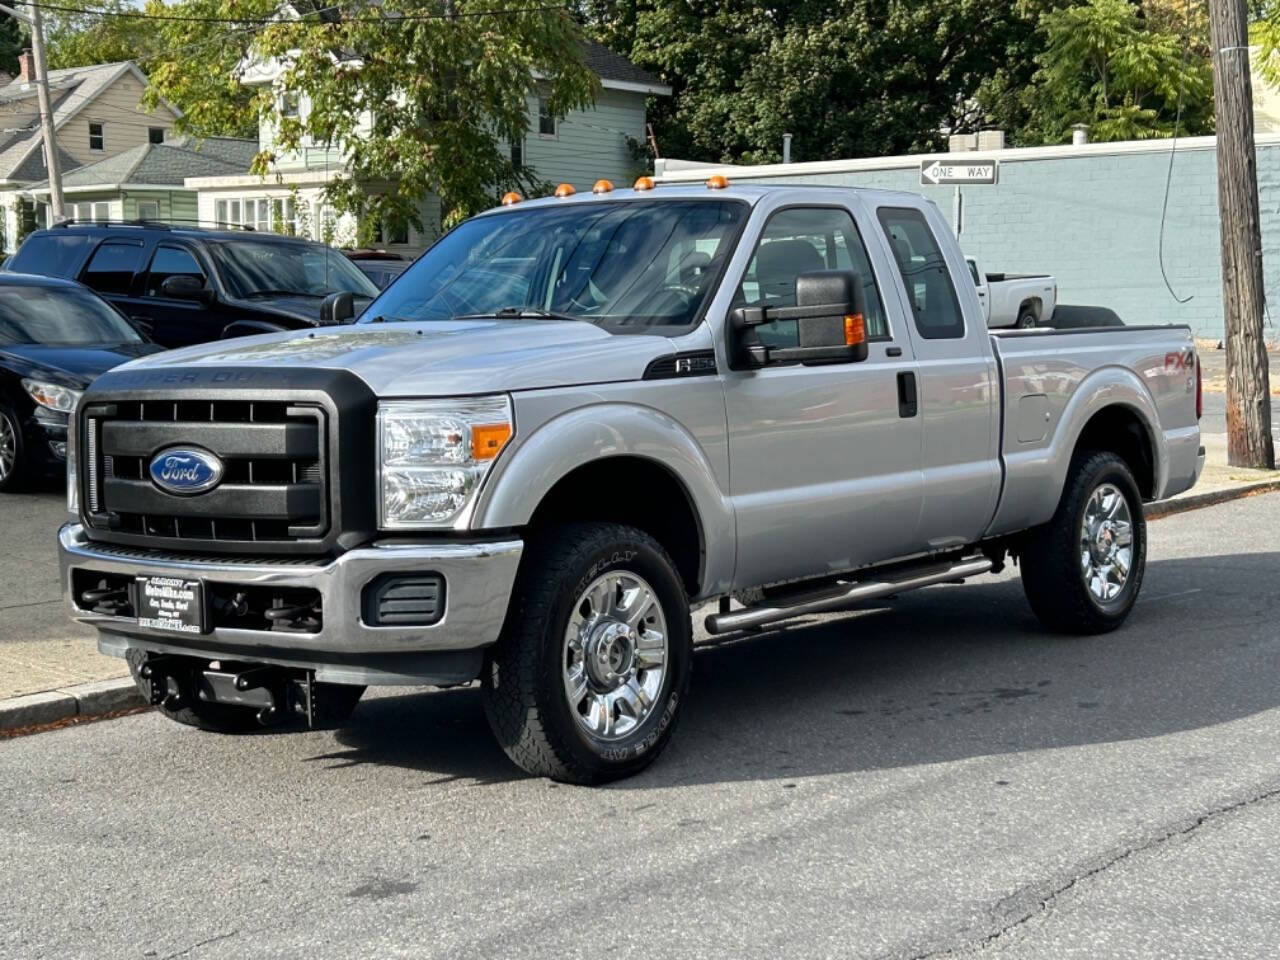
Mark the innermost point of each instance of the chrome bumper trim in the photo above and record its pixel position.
(479, 578)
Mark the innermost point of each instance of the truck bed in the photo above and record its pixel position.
(1055, 380)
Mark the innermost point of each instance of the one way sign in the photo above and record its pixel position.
(933, 172)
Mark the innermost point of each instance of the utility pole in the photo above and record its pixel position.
(41, 78)
(1249, 441)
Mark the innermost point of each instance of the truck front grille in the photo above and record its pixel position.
(274, 486)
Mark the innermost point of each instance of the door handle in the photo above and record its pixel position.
(907, 394)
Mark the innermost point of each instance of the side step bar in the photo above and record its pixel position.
(835, 598)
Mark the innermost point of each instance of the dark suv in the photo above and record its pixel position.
(189, 285)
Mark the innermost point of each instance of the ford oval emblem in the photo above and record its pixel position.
(186, 470)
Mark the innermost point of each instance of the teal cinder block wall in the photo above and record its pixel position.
(1092, 220)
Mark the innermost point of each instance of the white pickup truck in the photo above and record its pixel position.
(1015, 299)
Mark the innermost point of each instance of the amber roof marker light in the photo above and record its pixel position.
(644, 183)
(717, 182)
(510, 198)
(565, 190)
(603, 186)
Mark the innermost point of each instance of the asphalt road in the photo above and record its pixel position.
(902, 782)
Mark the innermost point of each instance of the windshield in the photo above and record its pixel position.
(639, 264)
(270, 268)
(59, 317)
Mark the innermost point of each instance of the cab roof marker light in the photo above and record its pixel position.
(565, 190)
(602, 186)
(510, 198)
(717, 182)
(644, 183)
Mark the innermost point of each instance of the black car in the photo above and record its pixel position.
(190, 285)
(379, 266)
(55, 338)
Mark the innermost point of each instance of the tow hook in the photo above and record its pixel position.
(275, 694)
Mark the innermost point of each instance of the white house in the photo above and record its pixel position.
(578, 149)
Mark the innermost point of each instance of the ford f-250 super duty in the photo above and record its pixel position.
(575, 417)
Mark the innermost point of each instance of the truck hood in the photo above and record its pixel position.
(442, 358)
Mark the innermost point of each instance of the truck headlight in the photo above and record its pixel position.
(52, 396)
(434, 454)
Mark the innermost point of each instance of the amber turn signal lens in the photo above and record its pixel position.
(602, 186)
(644, 183)
(855, 330)
(565, 190)
(509, 198)
(488, 439)
(717, 182)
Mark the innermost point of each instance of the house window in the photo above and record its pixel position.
(101, 212)
(148, 209)
(288, 104)
(97, 139)
(81, 211)
(155, 134)
(517, 155)
(546, 119)
(262, 213)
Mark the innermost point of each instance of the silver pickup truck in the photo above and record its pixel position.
(575, 418)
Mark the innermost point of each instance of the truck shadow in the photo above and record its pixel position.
(937, 676)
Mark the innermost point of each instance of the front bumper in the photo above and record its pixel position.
(479, 578)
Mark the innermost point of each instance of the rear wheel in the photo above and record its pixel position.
(586, 682)
(12, 454)
(1026, 318)
(1082, 570)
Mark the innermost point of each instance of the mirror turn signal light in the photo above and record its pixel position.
(717, 182)
(488, 439)
(644, 183)
(855, 330)
(602, 186)
(509, 198)
(565, 190)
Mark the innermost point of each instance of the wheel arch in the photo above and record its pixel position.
(621, 463)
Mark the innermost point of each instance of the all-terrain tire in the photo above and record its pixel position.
(522, 681)
(1052, 555)
(1026, 319)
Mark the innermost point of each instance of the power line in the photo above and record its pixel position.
(390, 19)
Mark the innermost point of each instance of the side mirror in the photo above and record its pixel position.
(337, 308)
(185, 287)
(830, 316)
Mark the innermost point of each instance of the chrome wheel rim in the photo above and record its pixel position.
(615, 655)
(8, 448)
(1106, 543)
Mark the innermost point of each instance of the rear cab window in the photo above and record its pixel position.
(930, 292)
(802, 240)
(51, 254)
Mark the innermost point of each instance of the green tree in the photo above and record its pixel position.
(445, 86)
(13, 38)
(845, 77)
(1107, 64)
(78, 39)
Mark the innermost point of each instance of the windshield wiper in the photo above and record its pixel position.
(283, 293)
(523, 313)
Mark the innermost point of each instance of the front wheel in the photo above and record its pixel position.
(12, 459)
(1082, 570)
(587, 680)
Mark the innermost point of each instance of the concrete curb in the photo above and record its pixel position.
(1167, 508)
(81, 700)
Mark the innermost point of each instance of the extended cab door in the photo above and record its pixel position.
(959, 389)
(824, 459)
(178, 322)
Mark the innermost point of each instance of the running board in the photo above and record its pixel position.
(833, 599)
